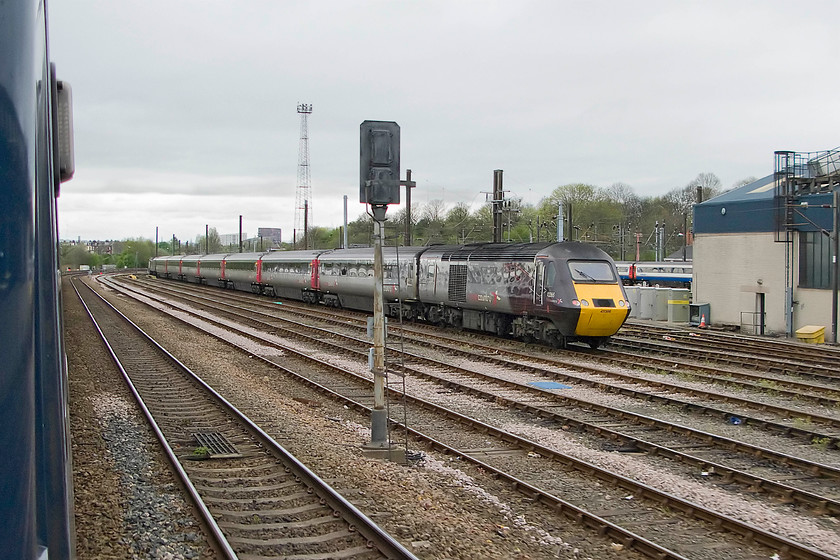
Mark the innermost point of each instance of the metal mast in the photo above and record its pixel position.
(303, 202)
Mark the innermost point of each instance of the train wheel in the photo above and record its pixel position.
(557, 340)
(503, 325)
(409, 313)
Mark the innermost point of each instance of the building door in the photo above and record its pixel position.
(760, 309)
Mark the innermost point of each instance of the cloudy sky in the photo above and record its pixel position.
(185, 111)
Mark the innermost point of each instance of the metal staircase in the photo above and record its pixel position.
(797, 174)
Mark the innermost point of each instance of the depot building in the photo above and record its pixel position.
(763, 253)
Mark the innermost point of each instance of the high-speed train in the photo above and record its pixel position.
(551, 292)
(36, 500)
(664, 273)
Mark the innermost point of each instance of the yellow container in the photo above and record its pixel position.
(812, 334)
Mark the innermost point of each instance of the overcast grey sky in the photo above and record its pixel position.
(185, 111)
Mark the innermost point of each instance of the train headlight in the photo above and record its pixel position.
(621, 303)
(576, 303)
(584, 303)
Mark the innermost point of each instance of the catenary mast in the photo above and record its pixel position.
(303, 201)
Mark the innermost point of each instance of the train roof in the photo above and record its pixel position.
(366, 253)
(487, 251)
(213, 257)
(286, 256)
(518, 251)
(250, 257)
(570, 250)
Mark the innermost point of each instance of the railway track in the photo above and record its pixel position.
(725, 457)
(767, 355)
(573, 467)
(810, 426)
(257, 500)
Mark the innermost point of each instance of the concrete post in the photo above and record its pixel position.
(344, 243)
(379, 420)
(560, 222)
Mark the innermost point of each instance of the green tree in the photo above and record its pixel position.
(74, 255)
(431, 224)
(135, 253)
(360, 231)
(324, 238)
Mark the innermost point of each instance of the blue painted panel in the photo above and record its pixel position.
(752, 208)
(549, 385)
(812, 217)
(18, 84)
(735, 217)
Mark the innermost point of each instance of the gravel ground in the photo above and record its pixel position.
(128, 506)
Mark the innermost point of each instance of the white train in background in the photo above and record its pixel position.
(664, 273)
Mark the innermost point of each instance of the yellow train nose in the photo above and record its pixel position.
(603, 309)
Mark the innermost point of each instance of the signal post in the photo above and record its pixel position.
(379, 186)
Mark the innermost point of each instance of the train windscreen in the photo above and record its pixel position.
(591, 271)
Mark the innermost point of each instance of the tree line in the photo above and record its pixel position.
(615, 218)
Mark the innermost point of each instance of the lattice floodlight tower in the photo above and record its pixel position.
(303, 201)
